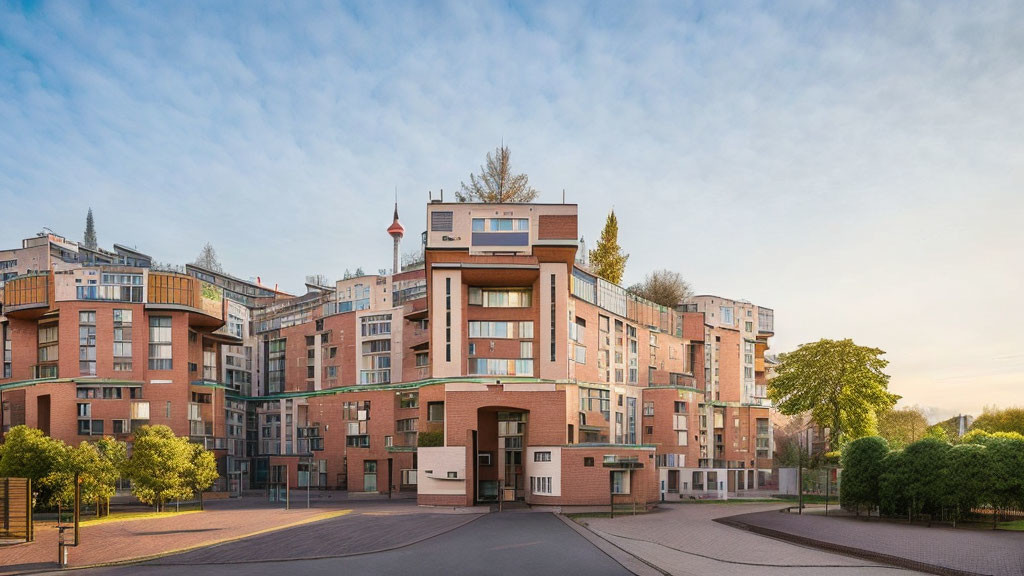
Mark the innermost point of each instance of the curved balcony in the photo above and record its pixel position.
(28, 296)
(172, 291)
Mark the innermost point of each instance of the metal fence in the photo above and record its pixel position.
(16, 509)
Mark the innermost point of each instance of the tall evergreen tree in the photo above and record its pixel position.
(90, 232)
(607, 260)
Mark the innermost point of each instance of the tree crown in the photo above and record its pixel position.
(496, 182)
(89, 238)
(208, 259)
(842, 385)
(663, 287)
(607, 259)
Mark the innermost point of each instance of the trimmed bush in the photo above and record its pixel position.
(925, 462)
(968, 485)
(862, 470)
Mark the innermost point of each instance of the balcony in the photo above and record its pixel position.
(28, 296)
(171, 291)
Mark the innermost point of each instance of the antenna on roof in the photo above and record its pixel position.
(563, 195)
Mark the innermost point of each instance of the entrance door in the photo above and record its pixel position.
(673, 481)
(370, 476)
(511, 432)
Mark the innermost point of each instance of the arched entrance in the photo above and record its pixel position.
(498, 458)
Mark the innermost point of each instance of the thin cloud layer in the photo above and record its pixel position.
(856, 168)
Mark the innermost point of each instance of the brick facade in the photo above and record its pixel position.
(596, 357)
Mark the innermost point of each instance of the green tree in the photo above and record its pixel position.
(938, 432)
(841, 384)
(97, 476)
(663, 287)
(1005, 420)
(902, 427)
(862, 471)
(969, 478)
(28, 453)
(90, 232)
(607, 260)
(496, 182)
(202, 470)
(159, 466)
(115, 454)
(1006, 463)
(984, 438)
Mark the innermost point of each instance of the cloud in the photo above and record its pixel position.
(858, 169)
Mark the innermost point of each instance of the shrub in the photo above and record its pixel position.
(969, 478)
(925, 462)
(430, 439)
(894, 498)
(862, 469)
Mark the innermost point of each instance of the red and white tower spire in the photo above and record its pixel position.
(396, 231)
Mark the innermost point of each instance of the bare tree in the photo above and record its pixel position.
(663, 287)
(208, 259)
(497, 183)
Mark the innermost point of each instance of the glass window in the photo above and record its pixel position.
(160, 343)
(435, 411)
(620, 482)
(87, 342)
(725, 314)
(526, 349)
(526, 329)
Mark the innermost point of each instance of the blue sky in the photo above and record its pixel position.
(858, 167)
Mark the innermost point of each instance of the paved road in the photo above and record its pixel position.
(512, 542)
(683, 540)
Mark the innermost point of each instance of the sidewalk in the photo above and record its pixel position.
(684, 540)
(119, 541)
(938, 550)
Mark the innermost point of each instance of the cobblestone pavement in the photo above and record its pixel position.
(683, 540)
(970, 551)
(222, 521)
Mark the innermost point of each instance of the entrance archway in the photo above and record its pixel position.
(498, 459)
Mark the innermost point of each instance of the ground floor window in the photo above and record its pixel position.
(620, 482)
(540, 484)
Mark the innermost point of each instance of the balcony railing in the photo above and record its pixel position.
(171, 289)
(26, 292)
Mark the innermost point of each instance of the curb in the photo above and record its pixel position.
(897, 561)
(612, 550)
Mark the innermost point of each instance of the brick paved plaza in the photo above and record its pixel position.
(973, 551)
(226, 521)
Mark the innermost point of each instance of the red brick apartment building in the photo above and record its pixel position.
(499, 367)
